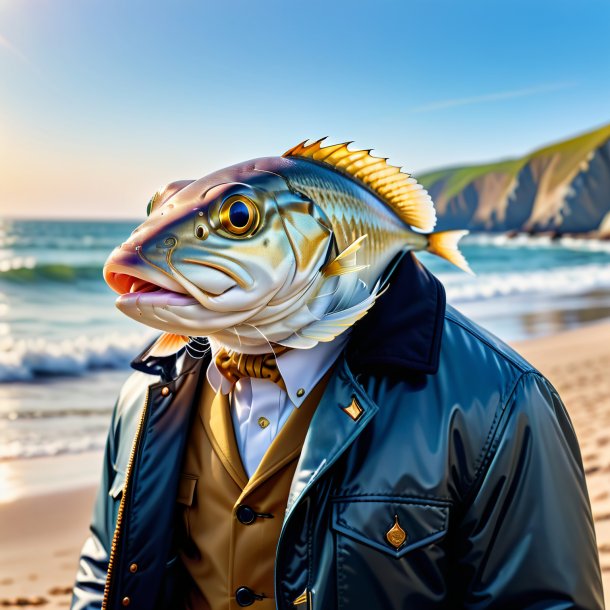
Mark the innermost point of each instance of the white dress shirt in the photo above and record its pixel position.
(259, 407)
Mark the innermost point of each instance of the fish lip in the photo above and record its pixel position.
(121, 275)
(120, 278)
(160, 297)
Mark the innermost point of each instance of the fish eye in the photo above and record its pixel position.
(239, 215)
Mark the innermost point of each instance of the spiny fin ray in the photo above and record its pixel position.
(395, 188)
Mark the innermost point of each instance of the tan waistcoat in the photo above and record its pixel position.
(221, 553)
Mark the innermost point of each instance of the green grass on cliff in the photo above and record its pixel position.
(572, 151)
(456, 179)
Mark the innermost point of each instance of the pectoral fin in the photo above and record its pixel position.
(345, 262)
(166, 345)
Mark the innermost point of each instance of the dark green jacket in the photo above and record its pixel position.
(458, 439)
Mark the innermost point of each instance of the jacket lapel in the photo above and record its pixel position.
(342, 414)
(215, 414)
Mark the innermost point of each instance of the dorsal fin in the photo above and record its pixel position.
(394, 187)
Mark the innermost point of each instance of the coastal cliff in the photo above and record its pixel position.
(561, 188)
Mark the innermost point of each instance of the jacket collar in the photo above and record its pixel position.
(401, 332)
(168, 367)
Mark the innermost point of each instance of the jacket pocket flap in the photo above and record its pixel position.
(186, 489)
(117, 484)
(375, 521)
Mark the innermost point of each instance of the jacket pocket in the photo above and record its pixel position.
(393, 526)
(116, 492)
(185, 498)
(118, 483)
(386, 552)
(186, 489)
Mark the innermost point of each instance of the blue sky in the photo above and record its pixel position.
(104, 101)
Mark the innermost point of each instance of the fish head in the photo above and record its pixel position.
(215, 253)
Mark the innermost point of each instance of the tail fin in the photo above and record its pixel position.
(445, 244)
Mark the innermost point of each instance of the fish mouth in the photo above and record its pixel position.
(135, 289)
(134, 286)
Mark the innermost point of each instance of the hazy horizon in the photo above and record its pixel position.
(68, 215)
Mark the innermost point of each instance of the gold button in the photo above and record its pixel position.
(396, 536)
(263, 422)
(164, 391)
(126, 601)
(133, 568)
(300, 392)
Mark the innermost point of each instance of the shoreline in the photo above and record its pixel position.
(43, 527)
(30, 477)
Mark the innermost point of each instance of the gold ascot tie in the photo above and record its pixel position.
(234, 365)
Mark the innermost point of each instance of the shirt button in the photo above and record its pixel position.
(300, 392)
(244, 596)
(245, 514)
(126, 601)
(263, 422)
(133, 568)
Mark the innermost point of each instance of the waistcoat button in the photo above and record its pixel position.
(126, 601)
(244, 596)
(133, 568)
(245, 514)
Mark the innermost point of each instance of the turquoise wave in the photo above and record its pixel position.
(50, 272)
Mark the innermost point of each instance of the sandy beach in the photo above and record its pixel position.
(41, 530)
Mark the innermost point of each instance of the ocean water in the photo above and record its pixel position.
(65, 349)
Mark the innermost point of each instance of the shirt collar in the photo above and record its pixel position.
(301, 369)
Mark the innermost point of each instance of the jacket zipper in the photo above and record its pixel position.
(119, 520)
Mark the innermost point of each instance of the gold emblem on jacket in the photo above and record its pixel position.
(354, 410)
(302, 599)
(396, 536)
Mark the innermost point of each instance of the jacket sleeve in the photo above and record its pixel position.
(527, 539)
(88, 589)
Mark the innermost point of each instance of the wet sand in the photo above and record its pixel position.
(40, 540)
(41, 533)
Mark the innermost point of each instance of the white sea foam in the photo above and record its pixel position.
(26, 359)
(523, 240)
(45, 448)
(560, 280)
(17, 262)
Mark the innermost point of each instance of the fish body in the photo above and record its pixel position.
(353, 211)
(273, 251)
